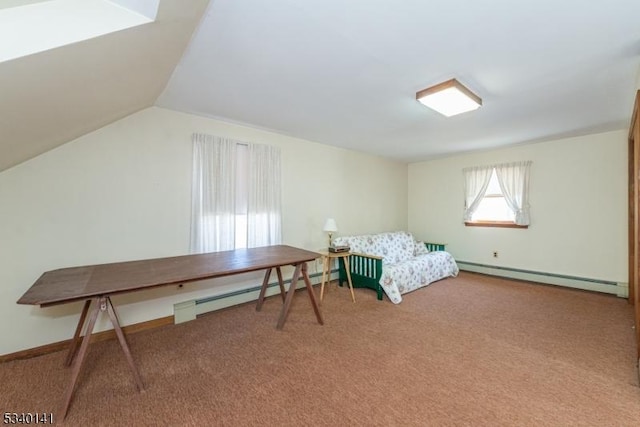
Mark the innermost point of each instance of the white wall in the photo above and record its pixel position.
(123, 193)
(578, 208)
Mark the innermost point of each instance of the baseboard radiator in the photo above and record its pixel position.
(189, 310)
(597, 285)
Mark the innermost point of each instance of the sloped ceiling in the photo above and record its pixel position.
(342, 73)
(50, 98)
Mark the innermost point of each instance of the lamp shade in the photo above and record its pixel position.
(330, 225)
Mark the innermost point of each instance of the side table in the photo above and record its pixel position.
(327, 257)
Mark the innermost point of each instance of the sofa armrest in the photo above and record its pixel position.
(366, 255)
(369, 266)
(433, 247)
(365, 271)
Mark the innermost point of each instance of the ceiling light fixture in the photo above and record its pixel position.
(449, 98)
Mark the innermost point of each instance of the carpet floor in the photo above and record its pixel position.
(468, 351)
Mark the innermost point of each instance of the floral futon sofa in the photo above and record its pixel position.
(394, 263)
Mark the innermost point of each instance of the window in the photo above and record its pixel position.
(493, 207)
(498, 195)
(235, 195)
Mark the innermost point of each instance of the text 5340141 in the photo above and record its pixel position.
(27, 418)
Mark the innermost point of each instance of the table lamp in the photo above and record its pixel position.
(330, 227)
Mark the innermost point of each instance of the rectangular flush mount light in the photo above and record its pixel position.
(449, 98)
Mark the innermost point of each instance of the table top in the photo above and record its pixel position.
(81, 283)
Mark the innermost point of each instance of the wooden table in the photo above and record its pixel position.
(95, 284)
(326, 270)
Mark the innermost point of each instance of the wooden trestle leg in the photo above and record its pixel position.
(79, 361)
(123, 344)
(265, 285)
(102, 303)
(263, 289)
(280, 283)
(312, 295)
(76, 337)
(301, 269)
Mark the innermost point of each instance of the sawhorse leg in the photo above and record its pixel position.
(300, 269)
(76, 336)
(101, 304)
(265, 285)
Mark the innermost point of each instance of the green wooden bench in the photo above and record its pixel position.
(366, 270)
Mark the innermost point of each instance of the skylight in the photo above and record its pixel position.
(5, 4)
(35, 26)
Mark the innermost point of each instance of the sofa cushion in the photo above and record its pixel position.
(393, 247)
(420, 248)
(398, 279)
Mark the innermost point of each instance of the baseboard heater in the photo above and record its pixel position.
(597, 285)
(189, 310)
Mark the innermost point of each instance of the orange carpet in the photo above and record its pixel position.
(469, 351)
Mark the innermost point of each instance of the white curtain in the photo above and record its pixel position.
(213, 194)
(263, 202)
(235, 194)
(476, 181)
(514, 183)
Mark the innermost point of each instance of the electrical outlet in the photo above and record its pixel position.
(495, 254)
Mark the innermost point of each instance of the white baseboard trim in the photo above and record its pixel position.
(189, 310)
(597, 285)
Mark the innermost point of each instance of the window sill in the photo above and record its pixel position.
(500, 224)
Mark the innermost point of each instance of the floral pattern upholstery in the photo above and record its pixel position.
(393, 247)
(406, 264)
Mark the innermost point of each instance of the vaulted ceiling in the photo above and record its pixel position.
(341, 73)
(52, 97)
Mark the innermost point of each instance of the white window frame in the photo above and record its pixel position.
(515, 176)
(487, 214)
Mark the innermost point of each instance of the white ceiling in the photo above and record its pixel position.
(345, 73)
(52, 97)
